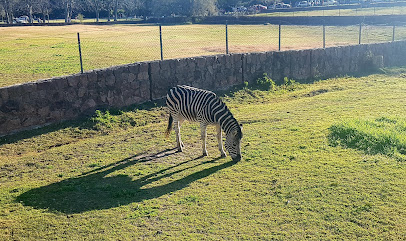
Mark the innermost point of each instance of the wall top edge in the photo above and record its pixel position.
(186, 58)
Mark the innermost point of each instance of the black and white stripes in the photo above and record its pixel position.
(192, 104)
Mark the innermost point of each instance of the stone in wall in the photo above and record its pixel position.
(256, 64)
(300, 65)
(139, 85)
(219, 72)
(344, 62)
(398, 57)
(209, 72)
(236, 70)
(330, 59)
(357, 57)
(224, 76)
(281, 65)
(163, 77)
(317, 62)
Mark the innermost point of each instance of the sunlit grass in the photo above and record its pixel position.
(44, 51)
(114, 176)
(383, 135)
(370, 11)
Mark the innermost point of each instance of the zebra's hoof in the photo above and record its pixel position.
(223, 155)
(180, 149)
(204, 154)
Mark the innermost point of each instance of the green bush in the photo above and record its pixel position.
(81, 17)
(265, 83)
(103, 121)
(289, 84)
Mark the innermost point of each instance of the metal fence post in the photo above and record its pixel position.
(226, 37)
(160, 42)
(324, 36)
(360, 33)
(80, 55)
(393, 33)
(279, 48)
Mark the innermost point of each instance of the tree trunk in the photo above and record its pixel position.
(9, 17)
(70, 10)
(97, 15)
(67, 12)
(31, 20)
(115, 10)
(9, 12)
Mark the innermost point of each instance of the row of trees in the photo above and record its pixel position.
(112, 9)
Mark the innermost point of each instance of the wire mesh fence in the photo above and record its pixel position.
(37, 53)
(142, 43)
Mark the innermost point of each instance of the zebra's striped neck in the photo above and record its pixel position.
(229, 123)
(223, 116)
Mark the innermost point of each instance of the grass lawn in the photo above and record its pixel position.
(29, 53)
(372, 11)
(115, 177)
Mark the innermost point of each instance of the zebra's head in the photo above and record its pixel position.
(233, 142)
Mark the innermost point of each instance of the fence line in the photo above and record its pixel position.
(52, 53)
(165, 44)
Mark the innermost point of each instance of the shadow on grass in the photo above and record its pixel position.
(85, 122)
(95, 190)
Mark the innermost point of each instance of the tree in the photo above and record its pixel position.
(68, 5)
(9, 7)
(134, 7)
(159, 8)
(108, 6)
(44, 7)
(141, 7)
(203, 7)
(27, 7)
(115, 10)
(97, 6)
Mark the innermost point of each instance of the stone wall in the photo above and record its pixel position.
(34, 104)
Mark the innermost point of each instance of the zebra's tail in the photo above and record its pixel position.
(168, 129)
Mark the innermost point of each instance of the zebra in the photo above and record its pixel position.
(192, 104)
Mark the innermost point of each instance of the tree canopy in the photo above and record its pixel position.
(39, 10)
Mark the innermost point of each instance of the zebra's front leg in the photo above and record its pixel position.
(220, 141)
(203, 134)
(179, 142)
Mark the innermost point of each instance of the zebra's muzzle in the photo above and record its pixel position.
(237, 158)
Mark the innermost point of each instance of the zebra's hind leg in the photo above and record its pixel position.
(203, 134)
(220, 141)
(179, 143)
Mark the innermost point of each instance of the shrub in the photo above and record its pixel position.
(103, 121)
(289, 84)
(80, 17)
(265, 83)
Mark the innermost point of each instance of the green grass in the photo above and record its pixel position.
(38, 52)
(115, 177)
(385, 135)
(372, 11)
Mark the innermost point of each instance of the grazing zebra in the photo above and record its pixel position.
(192, 104)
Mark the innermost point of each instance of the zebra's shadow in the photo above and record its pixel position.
(97, 190)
